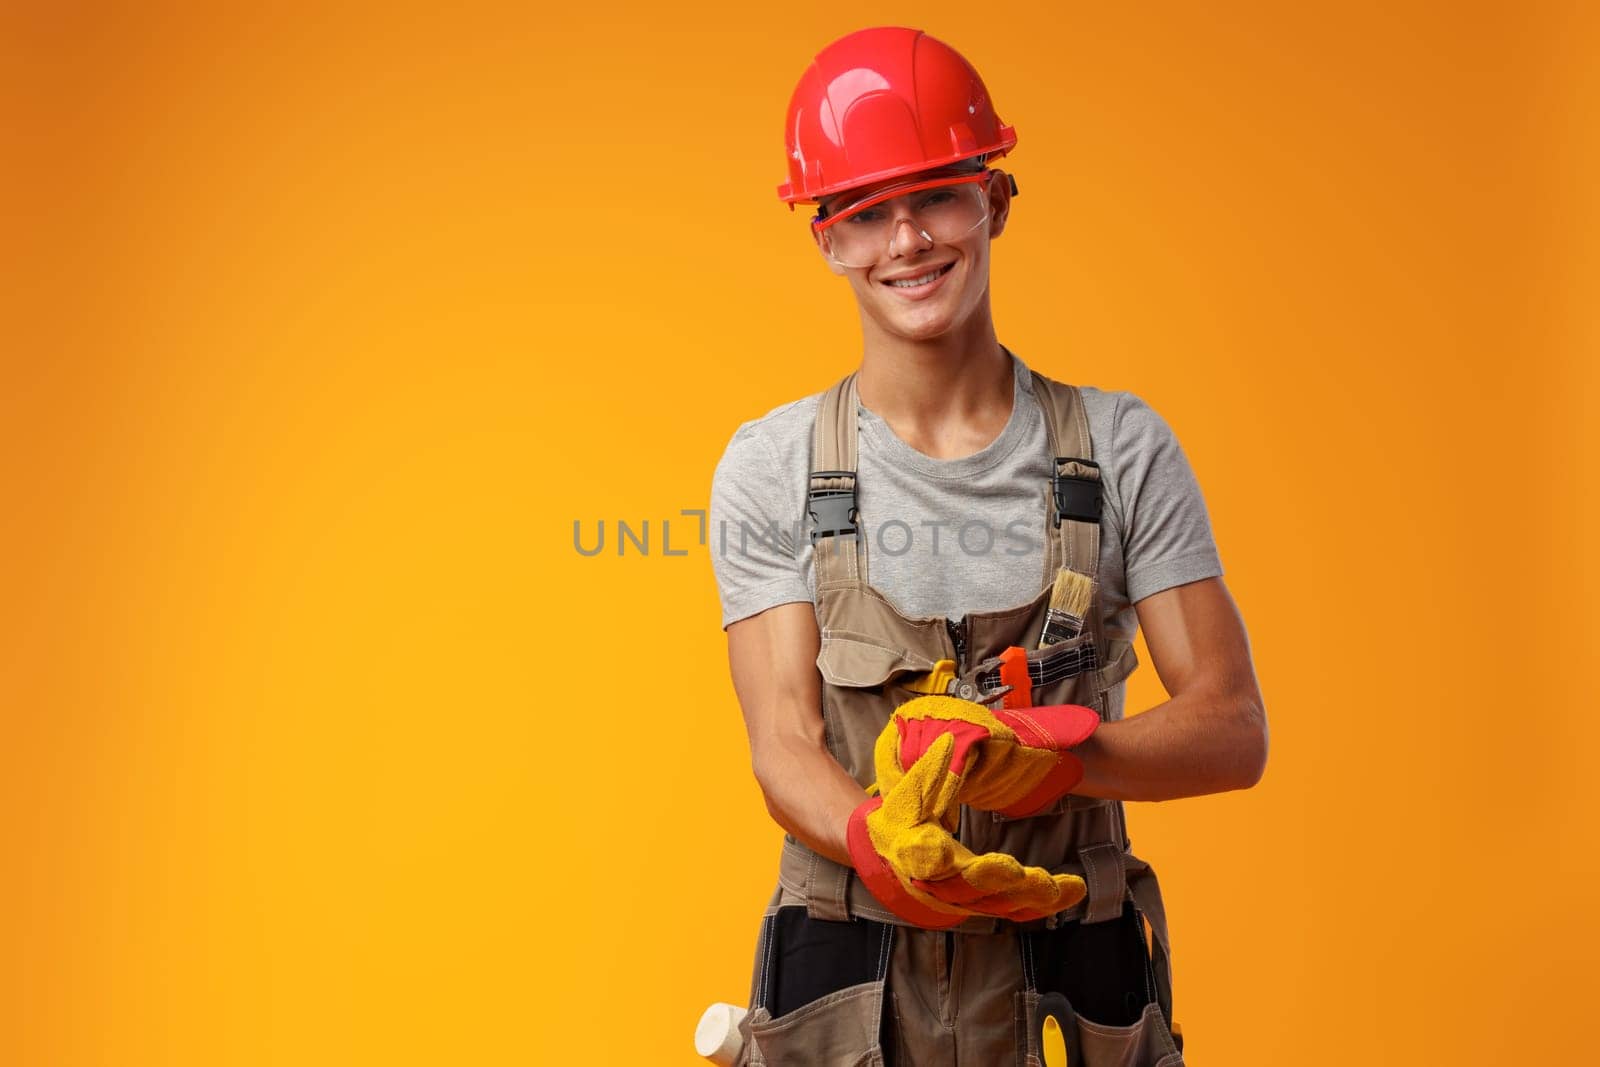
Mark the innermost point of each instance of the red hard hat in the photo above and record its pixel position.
(880, 103)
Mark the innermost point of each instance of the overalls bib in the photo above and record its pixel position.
(971, 998)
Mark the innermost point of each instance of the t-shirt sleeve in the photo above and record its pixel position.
(753, 534)
(1166, 532)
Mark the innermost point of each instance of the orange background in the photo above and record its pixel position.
(321, 744)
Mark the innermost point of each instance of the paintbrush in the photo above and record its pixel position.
(1069, 603)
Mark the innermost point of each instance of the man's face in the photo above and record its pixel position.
(920, 288)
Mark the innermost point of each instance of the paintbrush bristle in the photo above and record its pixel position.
(1073, 593)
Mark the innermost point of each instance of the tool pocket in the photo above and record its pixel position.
(820, 991)
(1147, 1042)
(1105, 973)
(1063, 673)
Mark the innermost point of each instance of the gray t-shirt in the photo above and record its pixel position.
(951, 536)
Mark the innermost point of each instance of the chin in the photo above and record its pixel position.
(923, 322)
(921, 327)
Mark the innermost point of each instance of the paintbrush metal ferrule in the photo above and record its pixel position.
(1059, 626)
(1070, 599)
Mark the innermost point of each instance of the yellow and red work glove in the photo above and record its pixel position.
(1015, 759)
(903, 846)
(939, 752)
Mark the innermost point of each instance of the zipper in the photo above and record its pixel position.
(958, 638)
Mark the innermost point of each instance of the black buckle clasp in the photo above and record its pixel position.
(1077, 497)
(832, 511)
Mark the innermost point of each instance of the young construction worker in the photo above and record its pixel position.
(947, 754)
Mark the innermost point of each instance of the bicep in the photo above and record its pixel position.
(1197, 640)
(773, 660)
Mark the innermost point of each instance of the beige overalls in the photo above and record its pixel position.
(973, 1002)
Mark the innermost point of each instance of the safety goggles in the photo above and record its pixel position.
(858, 233)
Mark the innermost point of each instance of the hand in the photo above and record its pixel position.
(1012, 760)
(904, 848)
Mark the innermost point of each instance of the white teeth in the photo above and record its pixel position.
(911, 283)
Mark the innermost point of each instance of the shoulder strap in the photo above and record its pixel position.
(831, 499)
(833, 437)
(1074, 532)
(1075, 508)
(1063, 416)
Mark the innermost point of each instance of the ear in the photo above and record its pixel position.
(999, 203)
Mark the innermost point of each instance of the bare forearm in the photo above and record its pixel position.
(809, 794)
(1191, 745)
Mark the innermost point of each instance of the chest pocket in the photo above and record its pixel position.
(856, 661)
(864, 682)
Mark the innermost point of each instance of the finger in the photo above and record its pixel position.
(928, 790)
(999, 875)
(886, 758)
(1070, 890)
(916, 735)
(1037, 903)
(990, 874)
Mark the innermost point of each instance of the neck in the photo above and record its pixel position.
(946, 396)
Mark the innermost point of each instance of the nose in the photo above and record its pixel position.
(907, 236)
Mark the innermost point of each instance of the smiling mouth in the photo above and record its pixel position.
(922, 279)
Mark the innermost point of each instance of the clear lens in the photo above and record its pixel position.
(859, 234)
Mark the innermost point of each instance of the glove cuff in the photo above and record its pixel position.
(1057, 726)
(1067, 773)
(882, 882)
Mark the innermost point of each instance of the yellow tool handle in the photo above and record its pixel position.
(1054, 1044)
(1059, 1044)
